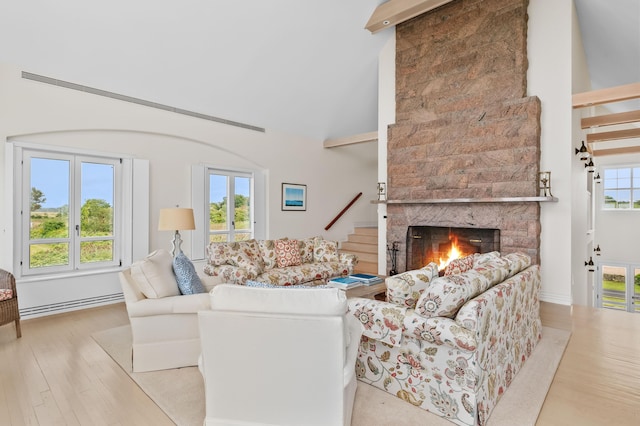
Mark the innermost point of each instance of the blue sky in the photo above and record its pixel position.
(52, 178)
(218, 187)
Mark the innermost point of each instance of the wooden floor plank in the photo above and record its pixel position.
(598, 379)
(60, 373)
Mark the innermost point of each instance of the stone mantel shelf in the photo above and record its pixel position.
(470, 200)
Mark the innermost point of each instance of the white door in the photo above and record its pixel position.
(619, 286)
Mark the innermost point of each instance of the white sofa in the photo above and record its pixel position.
(277, 356)
(164, 323)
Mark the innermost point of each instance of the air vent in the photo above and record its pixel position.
(93, 91)
(71, 305)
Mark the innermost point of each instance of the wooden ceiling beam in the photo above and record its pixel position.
(605, 96)
(350, 140)
(611, 119)
(612, 136)
(617, 151)
(394, 12)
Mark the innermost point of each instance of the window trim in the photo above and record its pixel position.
(200, 196)
(231, 175)
(123, 212)
(631, 189)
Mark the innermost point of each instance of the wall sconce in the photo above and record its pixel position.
(382, 191)
(590, 166)
(597, 250)
(590, 265)
(176, 219)
(597, 178)
(544, 184)
(583, 153)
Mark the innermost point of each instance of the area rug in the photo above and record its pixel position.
(180, 392)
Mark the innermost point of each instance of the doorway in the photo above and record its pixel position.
(618, 286)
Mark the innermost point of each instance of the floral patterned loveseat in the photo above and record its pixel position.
(452, 344)
(280, 262)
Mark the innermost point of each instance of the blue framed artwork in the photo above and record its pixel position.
(294, 197)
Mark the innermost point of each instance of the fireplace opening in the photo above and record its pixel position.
(440, 244)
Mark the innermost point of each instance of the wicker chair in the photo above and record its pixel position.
(9, 307)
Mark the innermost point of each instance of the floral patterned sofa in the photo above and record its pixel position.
(452, 344)
(280, 262)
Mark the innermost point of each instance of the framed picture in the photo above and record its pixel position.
(294, 197)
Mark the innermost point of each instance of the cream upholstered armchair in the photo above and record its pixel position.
(164, 322)
(278, 356)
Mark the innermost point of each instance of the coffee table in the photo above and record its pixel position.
(368, 291)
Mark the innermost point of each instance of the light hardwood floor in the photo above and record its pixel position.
(56, 374)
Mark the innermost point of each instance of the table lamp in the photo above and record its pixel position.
(176, 219)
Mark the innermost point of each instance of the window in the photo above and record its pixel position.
(71, 215)
(622, 188)
(619, 287)
(211, 187)
(230, 221)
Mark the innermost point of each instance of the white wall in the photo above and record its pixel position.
(617, 231)
(386, 117)
(582, 223)
(37, 112)
(549, 78)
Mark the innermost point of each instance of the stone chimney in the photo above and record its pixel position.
(466, 144)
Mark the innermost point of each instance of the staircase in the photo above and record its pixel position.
(364, 244)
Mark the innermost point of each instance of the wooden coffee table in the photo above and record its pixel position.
(368, 291)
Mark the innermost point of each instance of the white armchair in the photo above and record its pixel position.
(278, 356)
(164, 323)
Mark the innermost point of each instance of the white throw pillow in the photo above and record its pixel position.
(154, 275)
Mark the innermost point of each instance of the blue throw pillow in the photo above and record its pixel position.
(186, 276)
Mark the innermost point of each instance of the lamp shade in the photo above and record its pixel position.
(176, 219)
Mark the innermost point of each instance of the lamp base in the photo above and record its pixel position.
(175, 244)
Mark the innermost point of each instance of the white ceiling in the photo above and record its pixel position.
(301, 67)
(611, 37)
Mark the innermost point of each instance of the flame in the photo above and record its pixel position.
(454, 253)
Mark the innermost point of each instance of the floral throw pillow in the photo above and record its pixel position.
(218, 253)
(246, 254)
(325, 250)
(460, 265)
(306, 249)
(405, 289)
(268, 253)
(287, 253)
(5, 294)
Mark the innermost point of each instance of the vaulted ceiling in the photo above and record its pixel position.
(300, 67)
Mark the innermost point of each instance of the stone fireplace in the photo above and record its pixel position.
(465, 149)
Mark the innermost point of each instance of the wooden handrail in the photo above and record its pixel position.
(335, 219)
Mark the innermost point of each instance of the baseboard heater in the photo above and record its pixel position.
(70, 305)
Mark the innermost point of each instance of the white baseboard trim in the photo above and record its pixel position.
(555, 298)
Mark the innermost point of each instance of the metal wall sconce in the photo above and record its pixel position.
(583, 153)
(597, 250)
(590, 166)
(544, 184)
(591, 267)
(597, 178)
(382, 191)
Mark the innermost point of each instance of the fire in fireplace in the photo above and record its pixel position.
(442, 244)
